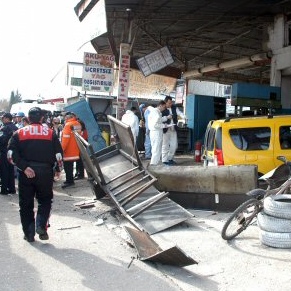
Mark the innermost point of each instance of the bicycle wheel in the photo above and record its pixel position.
(241, 218)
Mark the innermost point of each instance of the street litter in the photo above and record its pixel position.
(85, 204)
(100, 221)
(71, 227)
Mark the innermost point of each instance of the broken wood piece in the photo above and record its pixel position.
(85, 204)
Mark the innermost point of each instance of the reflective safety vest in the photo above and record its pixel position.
(69, 144)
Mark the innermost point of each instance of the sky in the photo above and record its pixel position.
(38, 38)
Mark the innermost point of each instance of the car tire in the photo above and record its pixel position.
(276, 239)
(273, 224)
(278, 206)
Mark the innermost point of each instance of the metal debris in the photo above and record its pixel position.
(149, 250)
(71, 227)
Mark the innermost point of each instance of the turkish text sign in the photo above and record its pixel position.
(123, 77)
(98, 72)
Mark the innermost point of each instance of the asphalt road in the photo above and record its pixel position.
(85, 253)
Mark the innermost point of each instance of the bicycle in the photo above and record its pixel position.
(245, 214)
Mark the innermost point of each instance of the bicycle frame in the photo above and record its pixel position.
(279, 190)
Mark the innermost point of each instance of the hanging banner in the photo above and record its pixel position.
(98, 72)
(123, 76)
(155, 61)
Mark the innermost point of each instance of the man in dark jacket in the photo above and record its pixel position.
(170, 139)
(6, 169)
(35, 149)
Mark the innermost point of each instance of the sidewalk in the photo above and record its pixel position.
(78, 256)
(82, 255)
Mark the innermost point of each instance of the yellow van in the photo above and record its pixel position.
(256, 140)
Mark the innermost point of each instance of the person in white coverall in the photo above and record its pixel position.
(156, 125)
(131, 119)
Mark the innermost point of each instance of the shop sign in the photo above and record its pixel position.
(98, 72)
(123, 76)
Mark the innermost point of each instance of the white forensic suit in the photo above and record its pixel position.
(131, 119)
(156, 125)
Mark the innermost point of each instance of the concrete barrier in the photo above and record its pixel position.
(211, 180)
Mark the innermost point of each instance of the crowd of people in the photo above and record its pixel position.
(159, 125)
(34, 149)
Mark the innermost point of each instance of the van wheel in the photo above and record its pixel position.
(278, 206)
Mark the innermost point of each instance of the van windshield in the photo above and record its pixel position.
(248, 139)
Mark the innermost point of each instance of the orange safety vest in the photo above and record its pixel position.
(69, 144)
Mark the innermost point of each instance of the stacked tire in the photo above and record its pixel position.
(275, 221)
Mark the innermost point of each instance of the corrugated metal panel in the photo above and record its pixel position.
(119, 172)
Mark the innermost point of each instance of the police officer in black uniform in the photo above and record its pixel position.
(35, 149)
(6, 169)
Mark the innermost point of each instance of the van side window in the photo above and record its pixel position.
(249, 139)
(285, 137)
(238, 139)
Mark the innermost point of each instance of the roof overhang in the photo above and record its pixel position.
(200, 34)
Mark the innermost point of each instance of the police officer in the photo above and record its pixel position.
(19, 117)
(34, 149)
(6, 169)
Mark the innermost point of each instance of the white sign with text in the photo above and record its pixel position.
(98, 72)
(155, 61)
